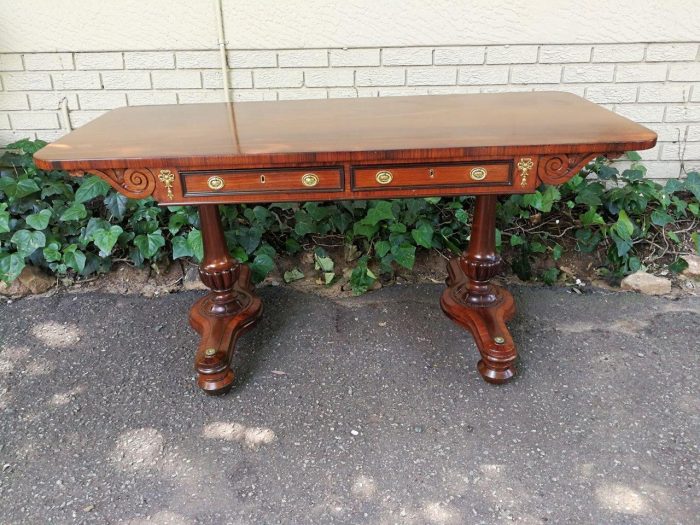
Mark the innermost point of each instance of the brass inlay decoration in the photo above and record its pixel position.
(262, 179)
(210, 352)
(525, 165)
(215, 183)
(309, 179)
(478, 173)
(384, 177)
(167, 178)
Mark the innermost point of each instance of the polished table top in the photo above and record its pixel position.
(299, 132)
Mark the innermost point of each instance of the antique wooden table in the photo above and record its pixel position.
(369, 148)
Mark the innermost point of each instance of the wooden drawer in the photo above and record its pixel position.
(432, 175)
(231, 182)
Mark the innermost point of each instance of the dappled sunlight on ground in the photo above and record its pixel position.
(164, 517)
(138, 449)
(621, 498)
(63, 398)
(250, 436)
(40, 367)
(57, 335)
(364, 487)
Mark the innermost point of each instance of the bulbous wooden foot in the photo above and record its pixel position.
(220, 331)
(486, 324)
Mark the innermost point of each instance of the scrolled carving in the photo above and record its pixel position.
(557, 169)
(134, 183)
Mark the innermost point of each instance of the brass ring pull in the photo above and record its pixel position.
(384, 177)
(309, 180)
(215, 183)
(478, 173)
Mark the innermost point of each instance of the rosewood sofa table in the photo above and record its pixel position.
(368, 148)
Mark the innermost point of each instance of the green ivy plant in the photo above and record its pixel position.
(79, 227)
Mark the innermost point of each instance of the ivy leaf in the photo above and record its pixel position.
(361, 278)
(149, 244)
(52, 252)
(25, 187)
(325, 264)
(692, 183)
(696, 240)
(74, 258)
(195, 244)
(250, 239)
(293, 275)
(517, 240)
(116, 205)
(592, 217)
(423, 235)
(90, 188)
(4, 218)
(105, 239)
(381, 211)
(550, 275)
(557, 252)
(678, 265)
(74, 212)
(39, 221)
(28, 241)
(261, 266)
(661, 218)
(11, 265)
(180, 247)
(404, 254)
(381, 248)
(624, 224)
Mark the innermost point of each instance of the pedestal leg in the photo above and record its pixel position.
(474, 303)
(224, 313)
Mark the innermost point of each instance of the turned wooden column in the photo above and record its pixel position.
(479, 306)
(224, 313)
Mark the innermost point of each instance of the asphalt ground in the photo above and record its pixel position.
(364, 410)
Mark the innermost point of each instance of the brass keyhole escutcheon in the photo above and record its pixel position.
(215, 183)
(478, 173)
(262, 179)
(384, 177)
(309, 180)
(431, 173)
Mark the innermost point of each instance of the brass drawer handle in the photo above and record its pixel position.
(478, 173)
(309, 179)
(384, 177)
(215, 183)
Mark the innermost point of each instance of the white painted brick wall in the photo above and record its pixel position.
(655, 84)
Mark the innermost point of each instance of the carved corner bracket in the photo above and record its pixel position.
(134, 183)
(557, 169)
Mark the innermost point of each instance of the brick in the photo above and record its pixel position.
(52, 100)
(26, 81)
(618, 53)
(150, 98)
(252, 59)
(34, 120)
(76, 80)
(199, 96)
(13, 101)
(689, 72)
(535, 74)
(407, 56)
(641, 72)
(380, 76)
(560, 54)
(678, 151)
(663, 93)
(511, 54)
(589, 73)
(431, 76)
(695, 95)
(611, 94)
(99, 61)
(237, 78)
(48, 61)
(149, 60)
(354, 57)
(332, 77)
(481, 75)
(668, 132)
(671, 52)
(650, 154)
(451, 90)
(5, 121)
(80, 118)
(403, 91)
(342, 93)
(11, 62)
(693, 133)
(51, 135)
(198, 59)
(641, 112)
(505, 89)
(686, 113)
(276, 78)
(10, 136)
(243, 95)
(657, 169)
(574, 89)
(445, 56)
(101, 100)
(303, 58)
(301, 94)
(180, 79)
(126, 80)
